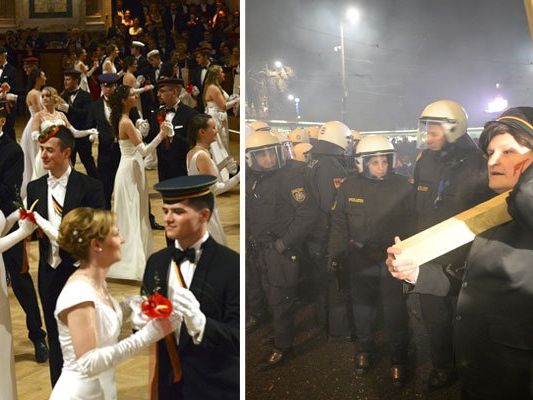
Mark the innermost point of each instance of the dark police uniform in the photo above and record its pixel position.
(446, 183)
(323, 176)
(279, 216)
(368, 213)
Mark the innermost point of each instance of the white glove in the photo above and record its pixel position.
(231, 103)
(83, 133)
(10, 221)
(11, 97)
(143, 126)
(167, 129)
(92, 137)
(138, 318)
(100, 359)
(195, 91)
(35, 136)
(25, 229)
(141, 79)
(185, 303)
(62, 107)
(48, 229)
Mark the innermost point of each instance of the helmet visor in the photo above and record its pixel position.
(266, 158)
(376, 165)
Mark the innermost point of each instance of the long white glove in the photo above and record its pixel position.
(143, 126)
(143, 89)
(222, 187)
(48, 229)
(145, 149)
(231, 103)
(26, 227)
(100, 359)
(62, 107)
(140, 79)
(12, 97)
(92, 133)
(10, 221)
(132, 305)
(185, 303)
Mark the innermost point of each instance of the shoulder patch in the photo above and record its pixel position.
(422, 188)
(356, 200)
(338, 182)
(298, 194)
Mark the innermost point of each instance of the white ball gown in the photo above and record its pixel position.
(74, 384)
(131, 207)
(214, 226)
(220, 148)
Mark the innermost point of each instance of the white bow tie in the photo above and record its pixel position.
(53, 181)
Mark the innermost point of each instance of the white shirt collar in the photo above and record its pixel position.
(65, 174)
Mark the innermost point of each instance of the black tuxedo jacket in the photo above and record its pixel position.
(196, 80)
(171, 160)
(11, 168)
(82, 191)
(9, 75)
(210, 370)
(78, 112)
(98, 120)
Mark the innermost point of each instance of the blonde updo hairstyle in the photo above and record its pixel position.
(53, 94)
(80, 226)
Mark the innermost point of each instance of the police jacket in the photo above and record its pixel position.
(446, 183)
(368, 213)
(278, 206)
(493, 333)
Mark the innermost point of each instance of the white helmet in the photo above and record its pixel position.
(299, 135)
(335, 132)
(301, 151)
(285, 141)
(264, 152)
(313, 133)
(371, 146)
(446, 113)
(259, 125)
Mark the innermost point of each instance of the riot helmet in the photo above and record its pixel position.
(259, 125)
(286, 143)
(447, 114)
(299, 135)
(264, 152)
(375, 156)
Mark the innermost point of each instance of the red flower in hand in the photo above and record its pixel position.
(24, 214)
(189, 88)
(161, 116)
(156, 306)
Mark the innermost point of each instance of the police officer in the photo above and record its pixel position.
(371, 208)
(450, 176)
(323, 176)
(279, 215)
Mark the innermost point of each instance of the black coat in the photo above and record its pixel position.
(493, 334)
(11, 169)
(82, 191)
(459, 173)
(210, 370)
(78, 111)
(368, 213)
(172, 157)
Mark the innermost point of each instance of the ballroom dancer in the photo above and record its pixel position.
(89, 319)
(202, 132)
(217, 102)
(62, 190)
(36, 80)
(131, 191)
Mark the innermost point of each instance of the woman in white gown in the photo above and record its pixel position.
(79, 65)
(217, 102)
(47, 118)
(130, 66)
(36, 80)
(89, 320)
(108, 66)
(203, 132)
(131, 188)
(7, 364)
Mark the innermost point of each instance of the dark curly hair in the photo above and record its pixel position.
(32, 78)
(116, 102)
(199, 121)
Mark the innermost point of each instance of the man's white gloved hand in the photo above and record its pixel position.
(143, 126)
(62, 107)
(185, 303)
(141, 79)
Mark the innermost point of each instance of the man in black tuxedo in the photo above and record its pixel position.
(143, 69)
(108, 148)
(199, 73)
(172, 153)
(11, 168)
(201, 278)
(8, 74)
(76, 109)
(173, 19)
(62, 190)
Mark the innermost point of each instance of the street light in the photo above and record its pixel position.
(352, 16)
(278, 64)
(290, 97)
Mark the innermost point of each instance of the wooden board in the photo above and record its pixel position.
(455, 231)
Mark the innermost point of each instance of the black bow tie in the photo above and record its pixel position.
(170, 109)
(73, 92)
(180, 255)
